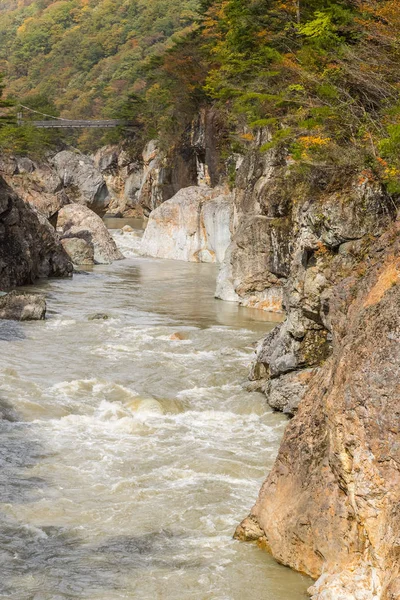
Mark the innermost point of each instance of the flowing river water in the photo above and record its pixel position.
(129, 448)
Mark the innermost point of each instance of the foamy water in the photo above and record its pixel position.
(130, 450)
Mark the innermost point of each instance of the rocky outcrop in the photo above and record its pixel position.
(123, 176)
(84, 184)
(257, 263)
(294, 236)
(79, 222)
(37, 184)
(22, 307)
(193, 226)
(29, 245)
(330, 506)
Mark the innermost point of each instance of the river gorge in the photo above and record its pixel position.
(130, 446)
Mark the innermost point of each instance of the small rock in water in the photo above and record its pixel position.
(176, 336)
(98, 317)
(17, 306)
(127, 229)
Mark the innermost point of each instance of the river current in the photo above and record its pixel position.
(129, 448)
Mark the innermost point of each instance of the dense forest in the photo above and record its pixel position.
(322, 75)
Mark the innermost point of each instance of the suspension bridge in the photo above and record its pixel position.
(52, 122)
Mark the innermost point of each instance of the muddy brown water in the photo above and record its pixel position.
(128, 453)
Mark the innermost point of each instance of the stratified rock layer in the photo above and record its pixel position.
(193, 226)
(29, 245)
(331, 505)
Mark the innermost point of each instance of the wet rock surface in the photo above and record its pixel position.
(22, 307)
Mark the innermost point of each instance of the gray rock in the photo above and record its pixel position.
(25, 165)
(79, 250)
(77, 221)
(83, 182)
(286, 392)
(22, 307)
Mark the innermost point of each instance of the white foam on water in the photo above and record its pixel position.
(128, 242)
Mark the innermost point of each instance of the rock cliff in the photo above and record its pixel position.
(330, 506)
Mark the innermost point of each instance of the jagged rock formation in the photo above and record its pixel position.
(79, 222)
(330, 506)
(83, 183)
(123, 176)
(194, 226)
(294, 237)
(37, 184)
(29, 245)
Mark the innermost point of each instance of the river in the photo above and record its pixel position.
(129, 448)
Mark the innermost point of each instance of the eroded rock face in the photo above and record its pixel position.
(22, 307)
(77, 221)
(330, 506)
(29, 245)
(123, 176)
(193, 226)
(37, 184)
(82, 181)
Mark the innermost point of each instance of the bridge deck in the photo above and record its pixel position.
(78, 124)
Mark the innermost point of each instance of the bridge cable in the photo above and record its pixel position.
(43, 114)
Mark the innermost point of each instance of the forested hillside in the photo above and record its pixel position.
(86, 56)
(322, 75)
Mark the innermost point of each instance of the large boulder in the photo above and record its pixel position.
(77, 221)
(22, 307)
(330, 506)
(29, 245)
(193, 226)
(82, 180)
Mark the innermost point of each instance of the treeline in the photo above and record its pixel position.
(323, 76)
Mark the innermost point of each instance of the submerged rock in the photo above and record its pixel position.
(193, 226)
(29, 245)
(22, 307)
(76, 221)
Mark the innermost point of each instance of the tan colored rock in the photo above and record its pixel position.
(331, 505)
(192, 226)
(175, 337)
(77, 221)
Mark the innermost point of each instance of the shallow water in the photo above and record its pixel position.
(128, 457)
